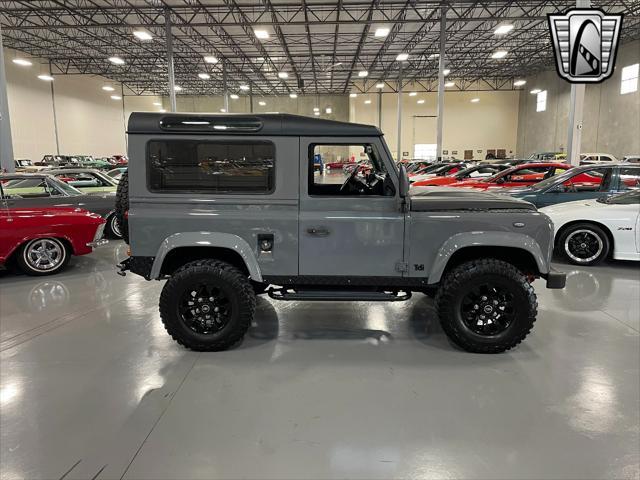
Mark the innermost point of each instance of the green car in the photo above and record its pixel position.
(86, 180)
(87, 161)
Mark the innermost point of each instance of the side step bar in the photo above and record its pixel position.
(338, 295)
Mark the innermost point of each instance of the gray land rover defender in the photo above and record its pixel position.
(227, 207)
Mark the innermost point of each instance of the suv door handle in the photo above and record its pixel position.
(318, 231)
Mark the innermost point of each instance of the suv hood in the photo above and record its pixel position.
(427, 199)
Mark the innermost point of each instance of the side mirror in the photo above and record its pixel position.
(404, 181)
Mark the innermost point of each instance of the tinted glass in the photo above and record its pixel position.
(211, 167)
(629, 179)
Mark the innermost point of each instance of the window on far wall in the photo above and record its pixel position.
(629, 79)
(541, 101)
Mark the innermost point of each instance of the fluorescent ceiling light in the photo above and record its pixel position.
(503, 29)
(262, 104)
(413, 94)
(420, 102)
(353, 95)
(475, 100)
(499, 54)
(434, 55)
(535, 91)
(328, 110)
(157, 104)
(23, 62)
(223, 110)
(108, 88)
(244, 88)
(204, 76)
(381, 32)
(234, 96)
(283, 75)
(316, 109)
(45, 77)
(446, 72)
(402, 57)
(363, 73)
(177, 88)
(519, 83)
(379, 85)
(293, 95)
(261, 34)
(116, 60)
(367, 102)
(449, 84)
(142, 35)
(162, 110)
(116, 97)
(316, 114)
(210, 59)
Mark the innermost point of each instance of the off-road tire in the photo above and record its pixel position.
(25, 267)
(122, 205)
(459, 281)
(594, 230)
(237, 288)
(111, 230)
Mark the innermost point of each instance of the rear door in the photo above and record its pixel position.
(347, 235)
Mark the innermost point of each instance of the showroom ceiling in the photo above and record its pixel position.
(321, 46)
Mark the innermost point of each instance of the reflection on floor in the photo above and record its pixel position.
(90, 382)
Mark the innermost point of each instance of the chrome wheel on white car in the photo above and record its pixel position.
(43, 256)
(584, 244)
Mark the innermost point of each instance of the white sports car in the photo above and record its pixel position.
(586, 231)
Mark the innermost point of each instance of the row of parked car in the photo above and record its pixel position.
(50, 215)
(595, 207)
(71, 161)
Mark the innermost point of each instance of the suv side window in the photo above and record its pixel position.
(216, 166)
(363, 158)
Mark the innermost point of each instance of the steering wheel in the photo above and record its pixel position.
(350, 178)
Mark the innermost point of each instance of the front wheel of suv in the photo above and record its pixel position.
(486, 306)
(207, 305)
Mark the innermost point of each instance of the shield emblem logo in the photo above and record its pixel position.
(585, 42)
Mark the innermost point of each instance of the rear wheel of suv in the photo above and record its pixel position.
(122, 206)
(486, 306)
(207, 305)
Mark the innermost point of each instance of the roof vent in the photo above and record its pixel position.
(211, 124)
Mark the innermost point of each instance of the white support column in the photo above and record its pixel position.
(576, 108)
(170, 71)
(441, 64)
(6, 145)
(225, 91)
(399, 87)
(380, 109)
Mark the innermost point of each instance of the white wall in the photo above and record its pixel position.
(489, 124)
(611, 121)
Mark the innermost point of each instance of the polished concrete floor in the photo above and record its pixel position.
(92, 387)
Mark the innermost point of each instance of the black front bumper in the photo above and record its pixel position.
(556, 280)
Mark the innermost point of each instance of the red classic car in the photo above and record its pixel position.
(477, 172)
(518, 176)
(41, 240)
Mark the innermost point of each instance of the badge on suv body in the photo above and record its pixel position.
(585, 42)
